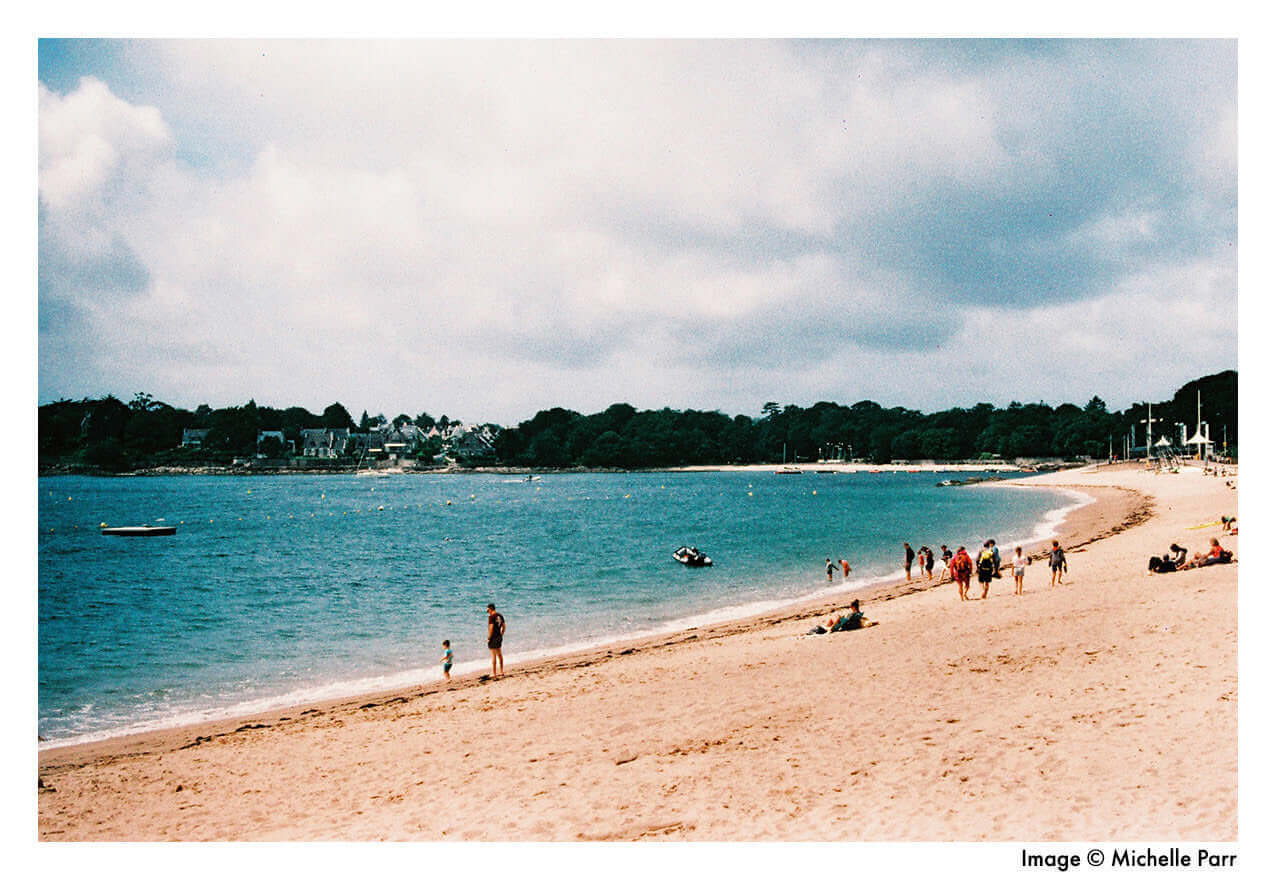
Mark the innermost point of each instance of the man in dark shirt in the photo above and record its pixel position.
(495, 635)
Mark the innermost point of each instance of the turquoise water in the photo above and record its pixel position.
(281, 589)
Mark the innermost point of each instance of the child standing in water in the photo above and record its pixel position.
(1019, 563)
(447, 659)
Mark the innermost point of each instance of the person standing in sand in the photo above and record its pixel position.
(1018, 564)
(446, 659)
(946, 556)
(960, 569)
(985, 566)
(495, 635)
(1058, 563)
(908, 562)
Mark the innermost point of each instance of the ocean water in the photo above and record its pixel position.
(281, 589)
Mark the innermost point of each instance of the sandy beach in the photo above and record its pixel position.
(1102, 709)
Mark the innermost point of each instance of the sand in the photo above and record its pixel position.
(1103, 709)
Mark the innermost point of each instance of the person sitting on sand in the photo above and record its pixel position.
(1177, 555)
(854, 619)
(1215, 556)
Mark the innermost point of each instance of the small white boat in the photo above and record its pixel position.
(789, 469)
(139, 531)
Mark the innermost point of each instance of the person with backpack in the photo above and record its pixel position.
(985, 566)
(495, 635)
(960, 569)
(1058, 563)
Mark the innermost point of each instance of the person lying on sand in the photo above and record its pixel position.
(854, 619)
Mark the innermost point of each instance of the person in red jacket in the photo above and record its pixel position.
(961, 567)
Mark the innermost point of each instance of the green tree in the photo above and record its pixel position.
(335, 416)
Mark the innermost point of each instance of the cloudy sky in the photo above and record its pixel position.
(483, 229)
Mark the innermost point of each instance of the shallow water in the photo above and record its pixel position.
(281, 589)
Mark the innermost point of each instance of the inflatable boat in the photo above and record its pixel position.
(692, 557)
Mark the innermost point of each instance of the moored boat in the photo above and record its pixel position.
(139, 531)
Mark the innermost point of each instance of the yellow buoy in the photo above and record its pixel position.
(750, 494)
(813, 492)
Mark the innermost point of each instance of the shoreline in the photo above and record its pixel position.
(351, 469)
(1101, 709)
(1102, 515)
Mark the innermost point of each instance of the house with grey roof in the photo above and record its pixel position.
(194, 437)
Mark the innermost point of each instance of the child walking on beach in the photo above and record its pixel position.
(447, 659)
(1019, 563)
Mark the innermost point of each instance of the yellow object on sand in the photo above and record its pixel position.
(1217, 522)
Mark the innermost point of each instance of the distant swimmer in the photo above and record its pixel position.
(909, 555)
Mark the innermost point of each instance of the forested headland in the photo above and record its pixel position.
(109, 435)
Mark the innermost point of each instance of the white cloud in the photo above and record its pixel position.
(474, 226)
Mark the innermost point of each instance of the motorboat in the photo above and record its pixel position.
(692, 557)
(139, 531)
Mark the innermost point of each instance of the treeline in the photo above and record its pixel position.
(111, 435)
(623, 437)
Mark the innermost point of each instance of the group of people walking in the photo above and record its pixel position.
(986, 566)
